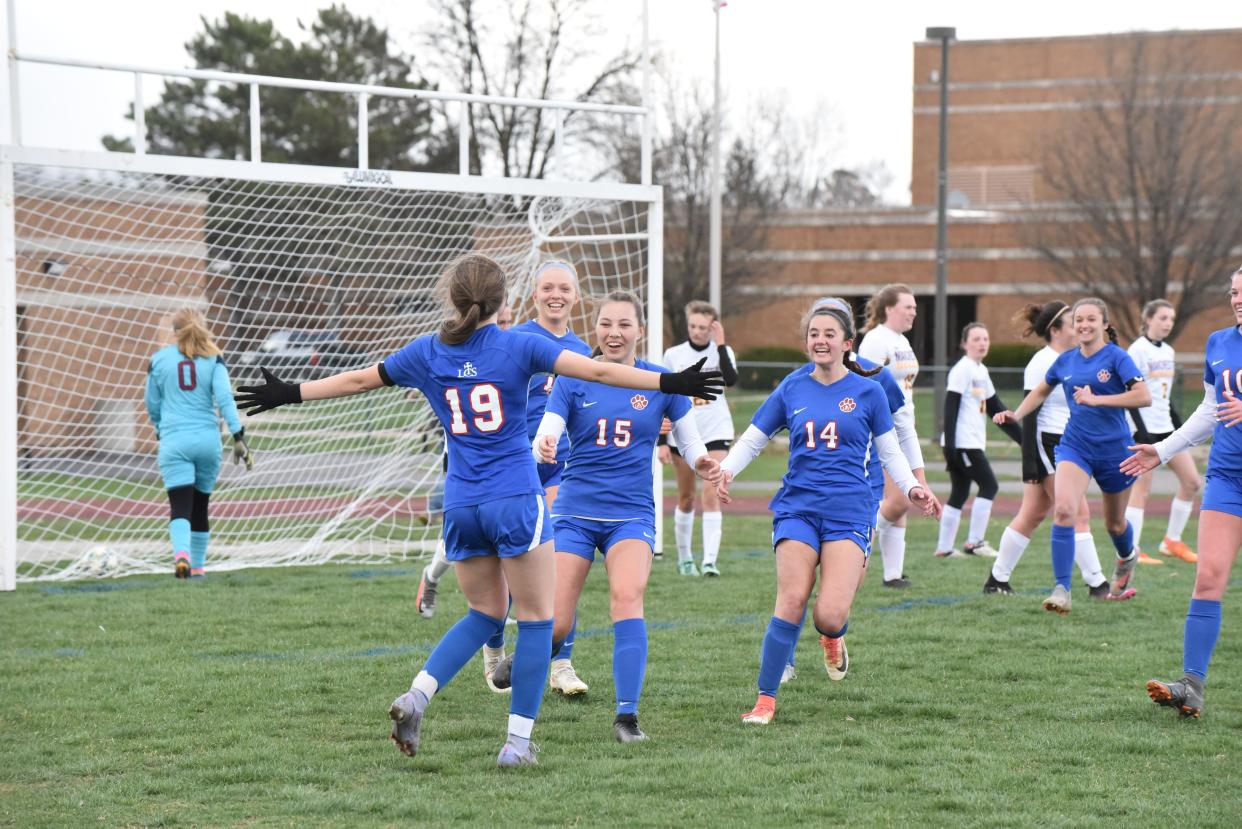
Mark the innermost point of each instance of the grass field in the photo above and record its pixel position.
(258, 698)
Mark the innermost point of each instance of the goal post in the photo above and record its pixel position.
(306, 270)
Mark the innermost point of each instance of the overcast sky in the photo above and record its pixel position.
(851, 60)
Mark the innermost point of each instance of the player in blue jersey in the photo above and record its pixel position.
(555, 296)
(186, 384)
(906, 437)
(612, 434)
(496, 525)
(1100, 382)
(1220, 514)
(835, 416)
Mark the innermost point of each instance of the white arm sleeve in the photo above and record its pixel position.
(686, 435)
(1197, 428)
(553, 425)
(894, 461)
(745, 449)
(903, 424)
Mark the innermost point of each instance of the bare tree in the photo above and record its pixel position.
(524, 49)
(1149, 171)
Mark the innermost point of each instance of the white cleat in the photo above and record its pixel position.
(492, 657)
(565, 679)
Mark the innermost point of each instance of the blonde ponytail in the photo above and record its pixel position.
(193, 337)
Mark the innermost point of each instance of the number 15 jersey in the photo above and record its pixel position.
(1222, 370)
(478, 390)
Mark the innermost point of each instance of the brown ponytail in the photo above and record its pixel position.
(1041, 319)
(193, 337)
(475, 286)
(878, 305)
(1112, 334)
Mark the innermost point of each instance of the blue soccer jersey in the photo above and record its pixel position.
(1108, 371)
(830, 434)
(612, 434)
(1222, 369)
(182, 394)
(478, 391)
(541, 384)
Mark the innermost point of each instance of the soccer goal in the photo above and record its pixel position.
(305, 270)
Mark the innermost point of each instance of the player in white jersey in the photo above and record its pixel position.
(1155, 358)
(1040, 436)
(890, 314)
(970, 398)
(706, 341)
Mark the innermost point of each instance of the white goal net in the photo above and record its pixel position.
(304, 278)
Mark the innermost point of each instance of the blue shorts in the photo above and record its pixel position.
(550, 473)
(1221, 493)
(1103, 465)
(190, 458)
(813, 531)
(505, 527)
(583, 536)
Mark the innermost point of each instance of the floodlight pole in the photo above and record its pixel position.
(945, 34)
(713, 270)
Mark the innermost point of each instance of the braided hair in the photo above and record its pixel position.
(1098, 303)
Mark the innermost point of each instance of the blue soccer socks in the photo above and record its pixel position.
(629, 662)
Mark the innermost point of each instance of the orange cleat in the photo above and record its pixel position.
(1146, 559)
(1178, 549)
(763, 712)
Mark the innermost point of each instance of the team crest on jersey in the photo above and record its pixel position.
(639, 401)
(467, 370)
(1103, 375)
(847, 405)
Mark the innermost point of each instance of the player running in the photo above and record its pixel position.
(1155, 358)
(186, 383)
(706, 341)
(1099, 381)
(496, 524)
(835, 417)
(970, 397)
(890, 314)
(1041, 433)
(1220, 515)
(612, 433)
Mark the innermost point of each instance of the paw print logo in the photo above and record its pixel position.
(639, 401)
(1102, 375)
(847, 405)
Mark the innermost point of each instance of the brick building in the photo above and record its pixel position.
(1006, 98)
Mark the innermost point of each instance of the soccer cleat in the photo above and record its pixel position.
(1100, 591)
(658, 555)
(687, 568)
(1143, 558)
(565, 679)
(1178, 549)
(993, 585)
(492, 659)
(1186, 694)
(836, 657)
(625, 729)
(979, 548)
(197, 573)
(426, 598)
(1123, 572)
(510, 757)
(1059, 602)
(500, 679)
(950, 554)
(710, 569)
(789, 674)
(1103, 592)
(406, 724)
(898, 583)
(763, 712)
(181, 567)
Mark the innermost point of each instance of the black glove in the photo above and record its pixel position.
(691, 382)
(274, 392)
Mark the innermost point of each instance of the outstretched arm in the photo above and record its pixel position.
(691, 382)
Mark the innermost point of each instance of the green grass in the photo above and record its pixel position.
(258, 698)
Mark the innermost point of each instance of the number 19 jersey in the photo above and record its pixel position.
(1222, 370)
(830, 431)
(478, 390)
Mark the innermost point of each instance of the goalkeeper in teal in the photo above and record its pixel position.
(186, 384)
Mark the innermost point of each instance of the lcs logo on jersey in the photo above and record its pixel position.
(1103, 375)
(639, 402)
(467, 370)
(847, 405)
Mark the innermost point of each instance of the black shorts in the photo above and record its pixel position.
(1154, 437)
(712, 446)
(1038, 465)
